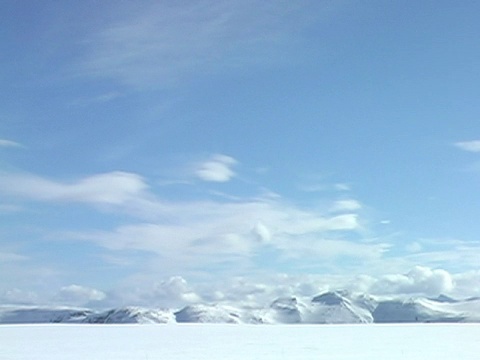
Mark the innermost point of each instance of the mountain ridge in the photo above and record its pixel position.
(332, 307)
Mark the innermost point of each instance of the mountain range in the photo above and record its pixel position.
(335, 307)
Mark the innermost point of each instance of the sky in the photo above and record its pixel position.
(161, 153)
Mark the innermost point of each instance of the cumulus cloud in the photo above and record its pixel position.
(78, 295)
(217, 169)
(175, 289)
(108, 188)
(419, 280)
(140, 290)
(260, 290)
(10, 143)
(471, 146)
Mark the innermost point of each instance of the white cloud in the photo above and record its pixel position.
(342, 187)
(217, 169)
(78, 295)
(209, 233)
(304, 223)
(256, 290)
(140, 290)
(262, 289)
(471, 146)
(452, 253)
(195, 232)
(346, 205)
(185, 237)
(262, 233)
(10, 143)
(108, 188)
(174, 290)
(419, 280)
(192, 233)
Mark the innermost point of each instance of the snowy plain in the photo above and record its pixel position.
(235, 342)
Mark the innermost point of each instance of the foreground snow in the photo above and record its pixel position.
(235, 342)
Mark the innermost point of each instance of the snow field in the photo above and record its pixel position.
(240, 342)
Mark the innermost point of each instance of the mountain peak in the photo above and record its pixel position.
(331, 298)
(444, 299)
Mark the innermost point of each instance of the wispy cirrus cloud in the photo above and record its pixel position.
(158, 45)
(471, 146)
(9, 143)
(209, 232)
(194, 232)
(109, 188)
(11, 257)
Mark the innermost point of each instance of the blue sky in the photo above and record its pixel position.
(160, 153)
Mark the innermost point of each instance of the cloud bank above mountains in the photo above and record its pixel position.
(176, 292)
(163, 241)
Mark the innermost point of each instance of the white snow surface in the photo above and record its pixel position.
(240, 342)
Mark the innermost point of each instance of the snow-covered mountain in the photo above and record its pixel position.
(338, 307)
(327, 308)
(39, 315)
(414, 310)
(286, 310)
(427, 310)
(131, 315)
(208, 314)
